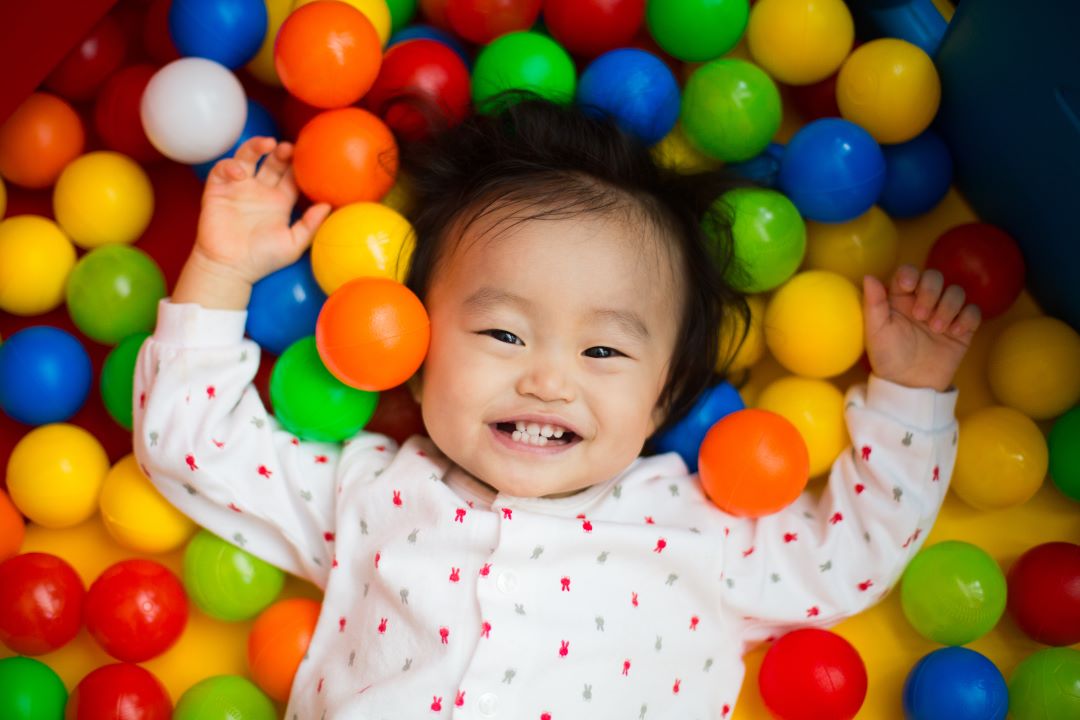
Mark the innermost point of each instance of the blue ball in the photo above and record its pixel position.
(284, 306)
(917, 175)
(45, 375)
(633, 87)
(226, 31)
(955, 683)
(429, 32)
(686, 436)
(832, 170)
(762, 169)
(259, 123)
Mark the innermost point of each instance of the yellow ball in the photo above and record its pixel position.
(361, 240)
(103, 198)
(3, 198)
(1001, 459)
(814, 324)
(35, 260)
(136, 514)
(55, 474)
(800, 42)
(1034, 366)
(676, 153)
(262, 65)
(816, 409)
(731, 331)
(377, 11)
(867, 245)
(889, 87)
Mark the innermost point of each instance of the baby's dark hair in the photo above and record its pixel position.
(559, 162)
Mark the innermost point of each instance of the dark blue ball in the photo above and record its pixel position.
(45, 375)
(226, 31)
(284, 306)
(633, 87)
(762, 169)
(955, 683)
(918, 173)
(259, 123)
(686, 436)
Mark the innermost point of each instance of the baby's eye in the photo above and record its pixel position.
(503, 336)
(602, 352)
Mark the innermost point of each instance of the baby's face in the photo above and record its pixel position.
(563, 323)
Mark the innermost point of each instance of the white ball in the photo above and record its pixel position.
(193, 110)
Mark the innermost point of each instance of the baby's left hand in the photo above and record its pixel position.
(916, 334)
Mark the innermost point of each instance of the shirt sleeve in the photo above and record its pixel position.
(823, 559)
(204, 439)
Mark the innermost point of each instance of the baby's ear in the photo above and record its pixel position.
(416, 386)
(656, 419)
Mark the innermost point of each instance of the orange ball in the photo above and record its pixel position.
(345, 156)
(279, 638)
(753, 463)
(38, 140)
(373, 333)
(327, 54)
(12, 527)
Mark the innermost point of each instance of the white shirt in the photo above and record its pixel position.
(635, 598)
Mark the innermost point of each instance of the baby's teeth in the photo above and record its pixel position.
(557, 433)
(516, 434)
(533, 428)
(546, 430)
(520, 426)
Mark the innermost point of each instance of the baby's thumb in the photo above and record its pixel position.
(303, 230)
(875, 304)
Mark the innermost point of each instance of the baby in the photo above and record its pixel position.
(523, 561)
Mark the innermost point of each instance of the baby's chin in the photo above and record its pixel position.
(512, 484)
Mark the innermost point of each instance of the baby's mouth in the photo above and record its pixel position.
(531, 433)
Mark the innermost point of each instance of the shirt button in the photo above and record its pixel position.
(488, 705)
(507, 582)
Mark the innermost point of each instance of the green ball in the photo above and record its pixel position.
(30, 690)
(224, 697)
(769, 238)
(1046, 686)
(113, 291)
(401, 12)
(525, 61)
(313, 404)
(118, 378)
(953, 592)
(1064, 445)
(730, 109)
(697, 30)
(226, 582)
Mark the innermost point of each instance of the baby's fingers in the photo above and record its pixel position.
(952, 300)
(303, 230)
(966, 323)
(274, 165)
(927, 294)
(250, 151)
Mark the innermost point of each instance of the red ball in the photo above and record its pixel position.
(91, 62)
(136, 609)
(116, 114)
(1044, 593)
(985, 261)
(815, 101)
(41, 601)
(588, 28)
(120, 691)
(157, 40)
(810, 674)
(422, 86)
(481, 21)
(397, 415)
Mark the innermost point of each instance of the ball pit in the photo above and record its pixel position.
(345, 156)
(225, 31)
(30, 690)
(955, 683)
(522, 61)
(481, 21)
(730, 109)
(38, 140)
(816, 409)
(136, 515)
(867, 245)
(635, 89)
(98, 54)
(278, 642)
(116, 113)
(769, 239)
(261, 66)
(812, 673)
(103, 198)
(918, 173)
(1046, 685)
(588, 28)
(118, 378)
(1063, 445)
(983, 260)
(226, 582)
(41, 602)
(362, 239)
(377, 12)
(1032, 367)
(35, 260)
(44, 375)
(799, 42)
(284, 306)
(224, 697)
(697, 30)
(1044, 593)
(113, 291)
(687, 435)
(1001, 459)
(120, 685)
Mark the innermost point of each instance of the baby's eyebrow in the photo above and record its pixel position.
(489, 297)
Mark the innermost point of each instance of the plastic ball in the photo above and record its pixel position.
(55, 474)
(373, 333)
(1046, 684)
(45, 375)
(1001, 459)
(136, 609)
(41, 602)
(955, 683)
(261, 66)
(226, 582)
(832, 170)
(259, 123)
(157, 41)
(193, 110)
(800, 42)
(918, 174)
(397, 416)
(30, 690)
(816, 409)
(118, 378)
(116, 114)
(12, 527)
(891, 88)
(95, 57)
(327, 54)
(675, 152)
(429, 32)
(38, 140)
(753, 463)
(35, 260)
(345, 156)
(985, 261)
(743, 346)
(113, 291)
(401, 13)
(376, 11)
(589, 28)
(1032, 367)
(697, 30)
(136, 515)
(120, 691)
(763, 169)
(953, 592)
(225, 31)
(730, 109)
(224, 697)
(103, 198)
(1044, 593)
(634, 88)
(769, 239)
(522, 61)
(3, 198)
(1063, 444)
(361, 240)
(284, 306)
(814, 101)
(811, 673)
(481, 21)
(814, 324)
(867, 245)
(686, 436)
(278, 641)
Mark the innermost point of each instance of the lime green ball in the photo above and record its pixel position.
(525, 61)
(769, 238)
(953, 592)
(1046, 686)
(401, 13)
(313, 404)
(1064, 445)
(226, 582)
(118, 378)
(224, 697)
(697, 30)
(113, 291)
(730, 109)
(30, 690)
